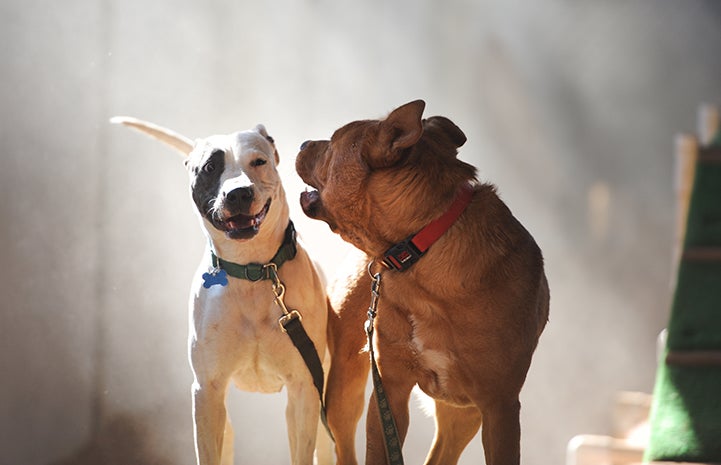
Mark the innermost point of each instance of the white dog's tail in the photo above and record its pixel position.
(168, 136)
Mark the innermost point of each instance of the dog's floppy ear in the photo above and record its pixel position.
(172, 138)
(263, 132)
(400, 130)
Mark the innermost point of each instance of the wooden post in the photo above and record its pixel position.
(708, 123)
(684, 171)
(686, 148)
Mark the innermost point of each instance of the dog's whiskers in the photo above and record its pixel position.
(214, 210)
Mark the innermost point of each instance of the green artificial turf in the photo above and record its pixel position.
(686, 417)
(686, 412)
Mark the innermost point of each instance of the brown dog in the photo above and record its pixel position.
(462, 322)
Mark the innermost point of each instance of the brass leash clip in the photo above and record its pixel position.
(279, 292)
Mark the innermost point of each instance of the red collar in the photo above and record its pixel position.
(405, 253)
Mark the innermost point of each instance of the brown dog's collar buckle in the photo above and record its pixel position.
(402, 255)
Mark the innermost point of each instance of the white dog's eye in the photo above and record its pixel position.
(258, 162)
(209, 167)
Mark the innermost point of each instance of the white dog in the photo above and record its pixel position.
(252, 274)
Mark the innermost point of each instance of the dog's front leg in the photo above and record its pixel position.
(501, 433)
(345, 401)
(302, 416)
(213, 434)
(346, 387)
(324, 451)
(226, 455)
(455, 427)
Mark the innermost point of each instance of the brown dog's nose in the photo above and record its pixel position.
(304, 145)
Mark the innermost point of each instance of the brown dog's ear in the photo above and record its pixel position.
(400, 130)
(447, 127)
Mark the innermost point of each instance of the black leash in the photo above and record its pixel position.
(294, 328)
(391, 441)
(290, 323)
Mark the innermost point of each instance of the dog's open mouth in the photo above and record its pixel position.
(310, 202)
(244, 226)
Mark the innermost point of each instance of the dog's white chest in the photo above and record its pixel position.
(236, 334)
(433, 361)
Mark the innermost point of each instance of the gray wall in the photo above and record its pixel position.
(570, 107)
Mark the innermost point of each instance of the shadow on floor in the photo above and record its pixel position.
(123, 440)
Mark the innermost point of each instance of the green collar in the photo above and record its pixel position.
(256, 271)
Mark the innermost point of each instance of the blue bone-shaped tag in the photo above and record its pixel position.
(219, 277)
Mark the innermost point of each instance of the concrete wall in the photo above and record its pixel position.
(570, 107)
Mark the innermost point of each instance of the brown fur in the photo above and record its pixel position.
(462, 323)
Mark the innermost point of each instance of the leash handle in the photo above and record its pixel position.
(391, 441)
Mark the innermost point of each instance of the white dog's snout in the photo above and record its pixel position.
(237, 184)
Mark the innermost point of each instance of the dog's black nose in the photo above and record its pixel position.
(240, 194)
(304, 145)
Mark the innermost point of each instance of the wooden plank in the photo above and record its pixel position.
(695, 358)
(702, 254)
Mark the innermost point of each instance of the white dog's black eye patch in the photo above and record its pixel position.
(211, 163)
(205, 184)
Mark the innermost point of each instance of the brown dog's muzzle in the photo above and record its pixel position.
(307, 165)
(305, 162)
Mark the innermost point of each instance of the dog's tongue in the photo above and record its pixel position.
(241, 222)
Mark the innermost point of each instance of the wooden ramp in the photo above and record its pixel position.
(686, 412)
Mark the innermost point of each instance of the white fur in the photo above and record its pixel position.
(234, 332)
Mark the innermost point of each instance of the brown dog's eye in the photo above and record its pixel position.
(258, 162)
